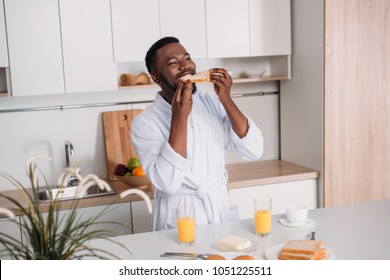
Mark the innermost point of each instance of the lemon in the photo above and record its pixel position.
(133, 163)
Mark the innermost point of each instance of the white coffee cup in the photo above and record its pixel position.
(297, 214)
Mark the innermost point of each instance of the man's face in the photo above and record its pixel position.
(172, 61)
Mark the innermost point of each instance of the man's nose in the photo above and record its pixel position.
(185, 65)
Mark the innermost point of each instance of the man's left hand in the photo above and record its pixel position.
(222, 83)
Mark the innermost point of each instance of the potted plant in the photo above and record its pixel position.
(48, 235)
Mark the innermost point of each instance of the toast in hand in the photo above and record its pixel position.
(199, 77)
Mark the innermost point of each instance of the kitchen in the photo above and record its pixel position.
(297, 108)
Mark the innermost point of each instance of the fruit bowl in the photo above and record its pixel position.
(134, 181)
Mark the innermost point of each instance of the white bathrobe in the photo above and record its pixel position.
(200, 179)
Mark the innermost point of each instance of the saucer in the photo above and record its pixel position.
(307, 223)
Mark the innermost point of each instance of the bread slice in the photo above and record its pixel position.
(308, 247)
(199, 77)
(319, 255)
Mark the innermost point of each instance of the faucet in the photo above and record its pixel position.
(69, 150)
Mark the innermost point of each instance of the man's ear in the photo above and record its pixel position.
(155, 78)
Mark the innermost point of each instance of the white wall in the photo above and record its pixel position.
(25, 134)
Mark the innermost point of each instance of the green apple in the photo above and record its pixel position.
(128, 174)
(133, 163)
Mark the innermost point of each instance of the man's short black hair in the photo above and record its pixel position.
(150, 55)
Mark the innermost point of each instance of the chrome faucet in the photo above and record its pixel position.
(69, 150)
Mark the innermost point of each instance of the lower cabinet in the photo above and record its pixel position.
(142, 220)
(11, 228)
(285, 194)
(116, 213)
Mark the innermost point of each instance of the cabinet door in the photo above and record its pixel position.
(34, 41)
(118, 213)
(227, 28)
(190, 30)
(3, 38)
(141, 218)
(283, 195)
(270, 27)
(11, 228)
(87, 45)
(135, 27)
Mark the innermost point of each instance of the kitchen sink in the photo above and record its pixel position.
(70, 193)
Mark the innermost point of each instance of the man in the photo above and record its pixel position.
(181, 138)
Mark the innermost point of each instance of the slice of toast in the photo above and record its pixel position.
(319, 255)
(308, 247)
(199, 77)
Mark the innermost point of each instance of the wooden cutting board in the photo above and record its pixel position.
(116, 129)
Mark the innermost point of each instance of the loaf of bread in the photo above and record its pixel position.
(244, 257)
(303, 250)
(199, 77)
(215, 257)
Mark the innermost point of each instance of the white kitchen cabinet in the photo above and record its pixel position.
(303, 192)
(34, 41)
(87, 45)
(117, 213)
(227, 28)
(142, 220)
(10, 228)
(190, 30)
(270, 27)
(135, 27)
(3, 38)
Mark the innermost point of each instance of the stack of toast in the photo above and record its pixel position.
(303, 250)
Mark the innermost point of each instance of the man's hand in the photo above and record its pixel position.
(182, 100)
(222, 83)
(181, 109)
(222, 86)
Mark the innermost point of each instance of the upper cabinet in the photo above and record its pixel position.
(135, 27)
(270, 27)
(34, 40)
(241, 28)
(190, 30)
(227, 28)
(3, 38)
(60, 46)
(87, 45)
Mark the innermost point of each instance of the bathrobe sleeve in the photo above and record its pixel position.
(165, 168)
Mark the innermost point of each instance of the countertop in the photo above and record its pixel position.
(350, 232)
(240, 175)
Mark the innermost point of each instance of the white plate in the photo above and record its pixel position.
(273, 252)
(307, 223)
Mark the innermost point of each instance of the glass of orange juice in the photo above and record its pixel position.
(185, 225)
(263, 215)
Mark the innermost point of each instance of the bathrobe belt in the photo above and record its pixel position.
(201, 190)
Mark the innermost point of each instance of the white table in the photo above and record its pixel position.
(352, 232)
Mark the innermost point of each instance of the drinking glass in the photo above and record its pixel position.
(263, 215)
(185, 225)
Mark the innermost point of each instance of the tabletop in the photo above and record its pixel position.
(352, 232)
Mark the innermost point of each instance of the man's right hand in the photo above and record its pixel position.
(181, 109)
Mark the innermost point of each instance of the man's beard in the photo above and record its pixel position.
(173, 87)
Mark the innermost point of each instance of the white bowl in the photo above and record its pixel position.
(253, 73)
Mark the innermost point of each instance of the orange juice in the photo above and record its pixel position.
(263, 220)
(186, 229)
